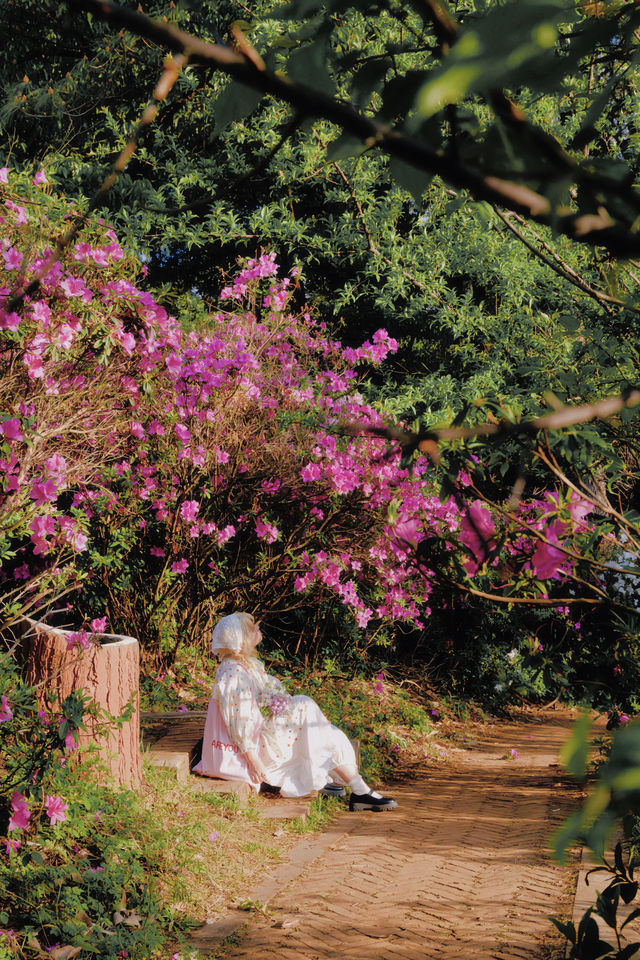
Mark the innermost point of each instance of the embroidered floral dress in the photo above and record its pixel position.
(295, 741)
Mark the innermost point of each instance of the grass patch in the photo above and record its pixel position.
(209, 850)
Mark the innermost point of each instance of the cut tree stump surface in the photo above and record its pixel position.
(460, 869)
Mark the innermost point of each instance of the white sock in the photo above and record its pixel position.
(359, 787)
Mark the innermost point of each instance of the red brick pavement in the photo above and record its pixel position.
(460, 871)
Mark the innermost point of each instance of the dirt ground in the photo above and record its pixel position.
(460, 871)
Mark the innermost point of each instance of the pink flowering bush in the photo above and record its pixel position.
(173, 474)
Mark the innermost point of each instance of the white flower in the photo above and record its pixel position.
(499, 687)
(512, 654)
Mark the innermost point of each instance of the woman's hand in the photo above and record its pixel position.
(257, 769)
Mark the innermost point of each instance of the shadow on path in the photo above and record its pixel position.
(459, 871)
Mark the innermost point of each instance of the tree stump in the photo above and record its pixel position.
(109, 673)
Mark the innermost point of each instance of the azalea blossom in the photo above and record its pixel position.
(548, 558)
(56, 809)
(189, 510)
(12, 258)
(476, 532)
(11, 429)
(20, 813)
(6, 713)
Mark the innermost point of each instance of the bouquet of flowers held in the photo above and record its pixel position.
(276, 706)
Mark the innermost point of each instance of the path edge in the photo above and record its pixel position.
(308, 849)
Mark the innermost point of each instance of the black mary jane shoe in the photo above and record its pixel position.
(332, 790)
(366, 801)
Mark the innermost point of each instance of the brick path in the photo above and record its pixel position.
(460, 871)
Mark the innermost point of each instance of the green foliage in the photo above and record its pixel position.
(475, 311)
(615, 795)
(585, 942)
(81, 880)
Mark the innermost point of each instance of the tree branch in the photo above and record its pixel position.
(595, 228)
(559, 266)
(164, 85)
(500, 429)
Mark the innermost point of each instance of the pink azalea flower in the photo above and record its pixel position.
(40, 178)
(44, 492)
(624, 718)
(179, 566)
(408, 532)
(11, 846)
(79, 541)
(578, 508)
(56, 809)
(137, 430)
(182, 432)
(6, 712)
(78, 640)
(4, 174)
(226, 534)
(311, 472)
(42, 526)
(266, 531)
(9, 321)
(547, 558)
(514, 753)
(11, 429)
(12, 258)
(189, 510)
(20, 813)
(476, 532)
(157, 552)
(70, 742)
(99, 625)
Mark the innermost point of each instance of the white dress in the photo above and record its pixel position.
(296, 742)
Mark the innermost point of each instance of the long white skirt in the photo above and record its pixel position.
(301, 748)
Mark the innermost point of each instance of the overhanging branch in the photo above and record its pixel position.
(594, 228)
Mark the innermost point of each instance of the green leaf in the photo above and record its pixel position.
(569, 322)
(345, 146)
(632, 916)
(567, 930)
(234, 103)
(566, 836)
(607, 907)
(574, 753)
(413, 180)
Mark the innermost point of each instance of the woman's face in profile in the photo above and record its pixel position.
(255, 636)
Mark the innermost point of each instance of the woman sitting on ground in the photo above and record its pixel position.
(287, 741)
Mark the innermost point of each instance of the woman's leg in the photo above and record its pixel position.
(346, 772)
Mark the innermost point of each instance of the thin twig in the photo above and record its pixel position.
(169, 76)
